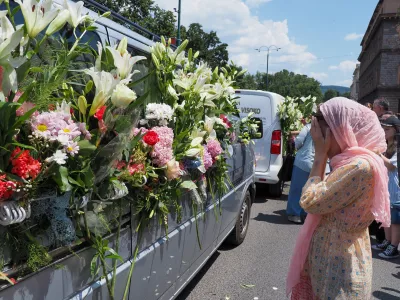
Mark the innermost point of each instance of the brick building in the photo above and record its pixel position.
(380, 56)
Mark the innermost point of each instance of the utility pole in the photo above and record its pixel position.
(268, 48)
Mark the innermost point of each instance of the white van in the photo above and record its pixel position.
(268, 148)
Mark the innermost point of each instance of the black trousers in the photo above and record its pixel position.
(378, 232)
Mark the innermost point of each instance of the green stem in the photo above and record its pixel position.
(109, 287)
(114, 274)
(10, 14)
(40, 44)
(86, 225)
(138, 240)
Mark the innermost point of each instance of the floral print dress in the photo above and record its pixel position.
(339, 263)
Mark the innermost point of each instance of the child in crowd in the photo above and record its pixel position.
(390, 245)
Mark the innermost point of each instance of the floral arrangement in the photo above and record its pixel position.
(294, 113)
(79, 147)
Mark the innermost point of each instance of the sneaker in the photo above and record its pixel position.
(295, 219)
(382, 246)
(390, 252)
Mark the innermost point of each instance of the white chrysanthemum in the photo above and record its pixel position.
(59, 157)
(160, 112)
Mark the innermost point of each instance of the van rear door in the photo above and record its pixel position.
(260, 104)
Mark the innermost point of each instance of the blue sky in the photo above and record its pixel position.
(319, 38)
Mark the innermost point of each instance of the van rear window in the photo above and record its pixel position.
(260, 128)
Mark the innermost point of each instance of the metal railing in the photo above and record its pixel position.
(122, 19)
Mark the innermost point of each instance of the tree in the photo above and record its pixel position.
(346, 95)
(211, 49)
(144, 13)
(290, 84)
(161, 22)
(329, 94)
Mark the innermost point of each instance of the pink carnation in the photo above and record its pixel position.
(214, 147)
(162, 151)
(207, 159)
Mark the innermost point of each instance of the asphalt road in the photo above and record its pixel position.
(256, 270)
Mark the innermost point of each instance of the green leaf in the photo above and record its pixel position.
(94, 270)
(24, 146)
(114, 255)
(61, 178)
(73, 181)
(188, 184)
(86, 148)
(21, 120)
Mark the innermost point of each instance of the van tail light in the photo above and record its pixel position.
(276, 146)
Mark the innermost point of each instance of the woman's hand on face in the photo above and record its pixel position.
(321, 143)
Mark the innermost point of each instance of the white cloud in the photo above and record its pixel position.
(319, 76)
(345, 66)
(346, 83)
(256, 3)
(353, 36)
(244, 32)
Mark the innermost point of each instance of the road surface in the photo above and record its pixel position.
(257, 268)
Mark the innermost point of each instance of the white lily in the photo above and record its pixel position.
(105, 83)
(124, 63)
(58, 22)
(98, 59)
(9, 40)
(75, 12)
(123, 46)
(37, 15)
(209, 124)
(122, 96)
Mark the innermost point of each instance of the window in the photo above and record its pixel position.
(260, 129)
(141, 66)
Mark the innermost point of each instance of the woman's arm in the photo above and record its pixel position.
(388, 164)
(342, 187)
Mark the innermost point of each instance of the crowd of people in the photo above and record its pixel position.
(332, 258)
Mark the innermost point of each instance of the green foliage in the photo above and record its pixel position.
(38, 257)
(285, 83)
(212, 50)
(329, 94)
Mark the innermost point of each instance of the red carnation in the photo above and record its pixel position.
(100, 113)
(151, 138)
(24, 165)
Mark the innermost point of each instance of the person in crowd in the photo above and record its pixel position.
(381, 107)
(369, 105)
(301, 170)
(390, 245)
(375, 228)
(332, 258)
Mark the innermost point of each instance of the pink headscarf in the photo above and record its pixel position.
(359, 134)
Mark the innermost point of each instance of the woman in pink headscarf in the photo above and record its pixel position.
(332, 258)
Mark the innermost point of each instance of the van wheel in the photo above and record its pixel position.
(275, 190)
(242, 223)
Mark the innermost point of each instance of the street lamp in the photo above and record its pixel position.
(178, 42)
(268, 48)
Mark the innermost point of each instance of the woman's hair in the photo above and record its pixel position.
(392, 148)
